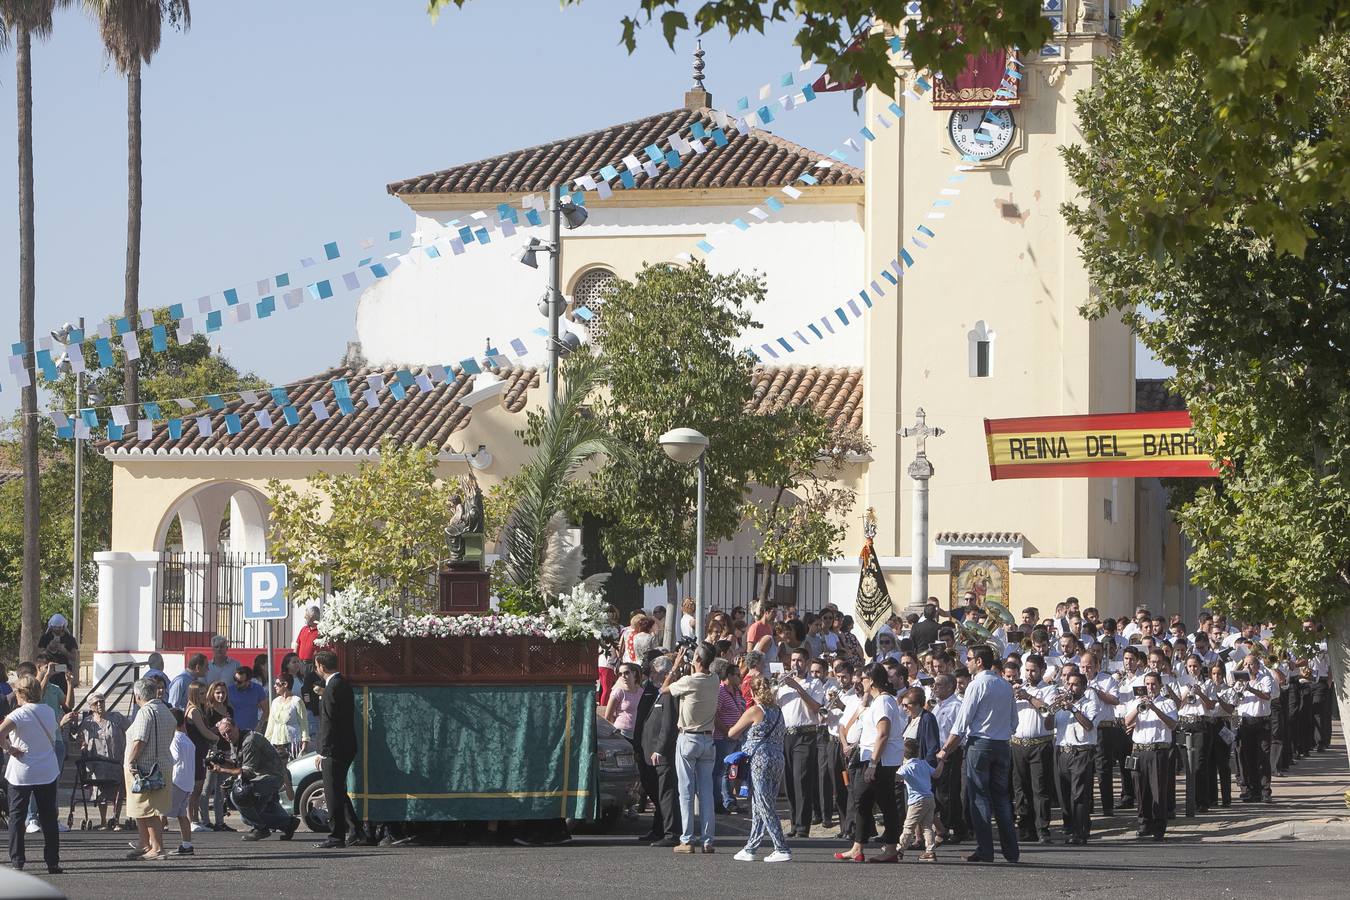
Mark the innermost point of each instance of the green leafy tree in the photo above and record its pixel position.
(1259, 338)
(670, 346)
(384, 533)
(799, 514)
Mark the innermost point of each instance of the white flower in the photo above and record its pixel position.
(352, 615)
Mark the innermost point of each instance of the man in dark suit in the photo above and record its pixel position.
(658, 737)
(646, 774)
(337, 746)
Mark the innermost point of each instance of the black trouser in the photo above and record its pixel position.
(1279, 732)
(1033, 774)
(1321, 711)
(335, 792)
(1220, 769)
(259, 803)
(801, 775)
(879, 792)
(1193, 743)
(1113, 745)
(825, 775)
(832, 767)
(1151, 778)
(665, 796)
(1301, 719)
(947, 795)
(1074, 772)
(1254, 751)
(44, 797)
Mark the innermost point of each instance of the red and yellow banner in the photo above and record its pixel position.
(1119, 445)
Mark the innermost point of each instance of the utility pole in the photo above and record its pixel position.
(554, 291)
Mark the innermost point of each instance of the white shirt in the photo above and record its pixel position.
(1031, 721)
(1148, 727)
(884, 707)
(184, 759)
(35, 734)
(1068, 733)
(1189, 690)
(223, 672)
(796, 714)
(1107, 685)
(836, 718)
(852, 703)
(1318, 662)
(946, 711)
(1251, 705)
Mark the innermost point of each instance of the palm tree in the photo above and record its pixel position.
(28, 19)
(535, 555)
(131, 31)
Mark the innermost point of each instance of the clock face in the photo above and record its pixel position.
(981, 133)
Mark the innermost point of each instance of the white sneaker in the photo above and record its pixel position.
(198, 826)
(778, 856)
(33, 828)
(745, 855)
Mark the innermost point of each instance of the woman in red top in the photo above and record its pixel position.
(730, 705)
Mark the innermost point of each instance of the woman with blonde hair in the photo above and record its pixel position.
(762, 724)
(688, 624)
(28, 736)
(215, 708)
(203, 739)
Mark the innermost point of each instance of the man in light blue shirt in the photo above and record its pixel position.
(985, 724)
(195, 672)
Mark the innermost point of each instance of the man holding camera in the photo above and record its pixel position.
(1255, 688)
(1153, 718)
(259, 774)
(694, 749)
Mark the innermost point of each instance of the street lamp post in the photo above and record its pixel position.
(64, 335)
(684, 446)
(561, 216)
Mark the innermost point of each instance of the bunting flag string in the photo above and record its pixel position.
(212, 312)
(120, 418)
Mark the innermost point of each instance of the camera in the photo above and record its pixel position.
(218, 757)
(686, 643)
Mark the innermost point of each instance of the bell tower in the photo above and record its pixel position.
(986, 323)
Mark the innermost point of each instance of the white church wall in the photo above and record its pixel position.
(437, 311)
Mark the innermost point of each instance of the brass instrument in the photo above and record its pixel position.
(1000, 612)
(974, 634)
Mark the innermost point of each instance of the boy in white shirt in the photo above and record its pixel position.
(180, 787)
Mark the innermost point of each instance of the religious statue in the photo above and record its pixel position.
(464, 534)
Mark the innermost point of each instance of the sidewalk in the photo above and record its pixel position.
(1310, 805)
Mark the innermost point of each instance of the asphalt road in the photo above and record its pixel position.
(614, 865)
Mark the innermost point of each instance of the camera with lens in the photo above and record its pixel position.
(218, 757)
(688, 643)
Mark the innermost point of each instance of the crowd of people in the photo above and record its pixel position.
(953, 725)
(193, 744)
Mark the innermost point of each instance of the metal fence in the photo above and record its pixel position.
(731, 581)
(200, 595)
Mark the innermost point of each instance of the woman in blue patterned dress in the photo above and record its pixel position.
(763, 726)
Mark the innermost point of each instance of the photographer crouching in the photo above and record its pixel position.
(258, 774)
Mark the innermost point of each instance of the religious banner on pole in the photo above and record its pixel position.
(1119, 445)
(873, 605)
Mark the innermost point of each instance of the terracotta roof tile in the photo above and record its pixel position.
(431, 419)
(421, 419)
(758, 159)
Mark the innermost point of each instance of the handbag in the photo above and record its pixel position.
(148, 779)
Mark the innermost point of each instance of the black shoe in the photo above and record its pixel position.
(977, 858)
(649, 837)
(1157, 837)
(356, 837)
(665, 842)
(223, 827)
(257, 834)
(289, 831)
(1045, 837)
(332, 844)
(1125, 803)
(55, 870)
(1267, 799)
(817, 821)
(1108, 812)
(1141, 831)
(184, 850)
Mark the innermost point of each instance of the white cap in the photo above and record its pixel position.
(57, 621)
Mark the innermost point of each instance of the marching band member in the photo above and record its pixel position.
(1073, 716)
(1033, 751)
(1152, 718)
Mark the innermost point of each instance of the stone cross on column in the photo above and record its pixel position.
(920, 470)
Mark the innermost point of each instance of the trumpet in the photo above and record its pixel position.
(1063, 700)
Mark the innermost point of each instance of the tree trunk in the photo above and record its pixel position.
(32, 585)
(131, 304)
(765, 583)
(1338, 649)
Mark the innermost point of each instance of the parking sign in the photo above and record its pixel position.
(265, 592)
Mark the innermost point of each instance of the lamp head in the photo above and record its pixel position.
(573, 216)
(684, 445)
(529, 256)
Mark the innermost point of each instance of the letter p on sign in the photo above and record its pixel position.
(265, 592)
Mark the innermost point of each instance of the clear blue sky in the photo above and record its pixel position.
(272, 127)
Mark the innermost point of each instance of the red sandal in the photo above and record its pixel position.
(849, 857)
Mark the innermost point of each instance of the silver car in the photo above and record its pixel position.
(619, 786)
